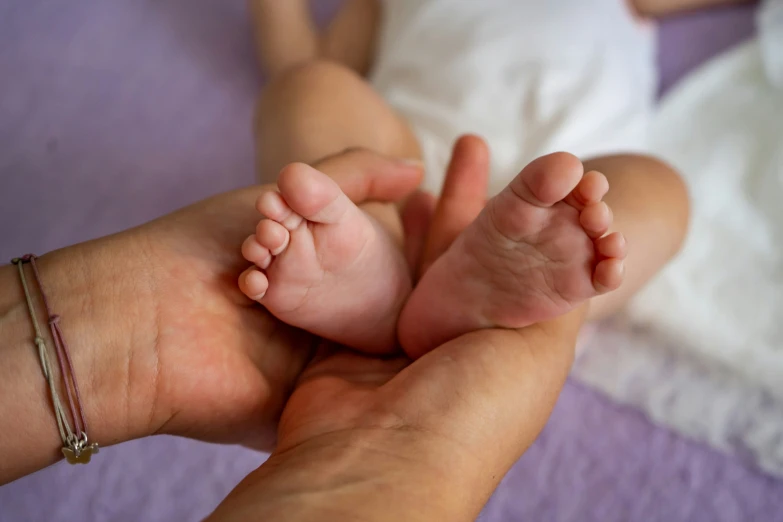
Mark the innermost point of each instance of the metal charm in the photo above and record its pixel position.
(79, 451)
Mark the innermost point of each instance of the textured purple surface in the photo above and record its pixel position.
(114, 112)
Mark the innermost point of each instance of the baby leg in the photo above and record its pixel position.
(322, 108)
(286, 35)
(343, 266)
(313, 107)
(651, 208)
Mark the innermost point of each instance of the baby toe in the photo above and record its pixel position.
(272, 206)
(548, 179)
(253, 284)
(612, 245)
(590, 190)
(593, 186)
(596, 219)
(272, 235)
(255, 253)
(312, 194)
(608, 275)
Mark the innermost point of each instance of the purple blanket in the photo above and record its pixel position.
(114, 112)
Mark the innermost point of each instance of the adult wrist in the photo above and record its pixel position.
(107, 304)
(89, 287)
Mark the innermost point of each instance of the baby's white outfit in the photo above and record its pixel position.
(530, 76)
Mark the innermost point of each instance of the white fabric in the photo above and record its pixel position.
(532, 77)
(706, 354)
(771, 38)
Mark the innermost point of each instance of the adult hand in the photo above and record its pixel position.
(162, 339)
(364, 438)
(226, 364)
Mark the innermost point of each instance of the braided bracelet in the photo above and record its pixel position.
(77, 448)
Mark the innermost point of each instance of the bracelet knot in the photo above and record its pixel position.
(75, 450)
(24, 259)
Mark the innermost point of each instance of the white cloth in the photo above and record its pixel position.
(706, 353)
(770, 22)
(532, 77)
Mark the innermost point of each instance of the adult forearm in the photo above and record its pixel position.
(88, 286)
(365, 476)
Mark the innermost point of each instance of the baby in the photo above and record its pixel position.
(546, 243)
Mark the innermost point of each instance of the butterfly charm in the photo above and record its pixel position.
(80, 452)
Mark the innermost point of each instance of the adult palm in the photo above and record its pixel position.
(215, 365)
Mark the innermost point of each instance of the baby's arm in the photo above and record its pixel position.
(655, 8)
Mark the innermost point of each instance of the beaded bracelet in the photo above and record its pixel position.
(77, 448)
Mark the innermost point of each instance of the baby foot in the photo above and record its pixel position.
(538, 249)
(323, 265)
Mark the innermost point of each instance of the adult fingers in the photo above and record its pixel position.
(462, 199)
(365, 175)
(416, 219)
(490, 391)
